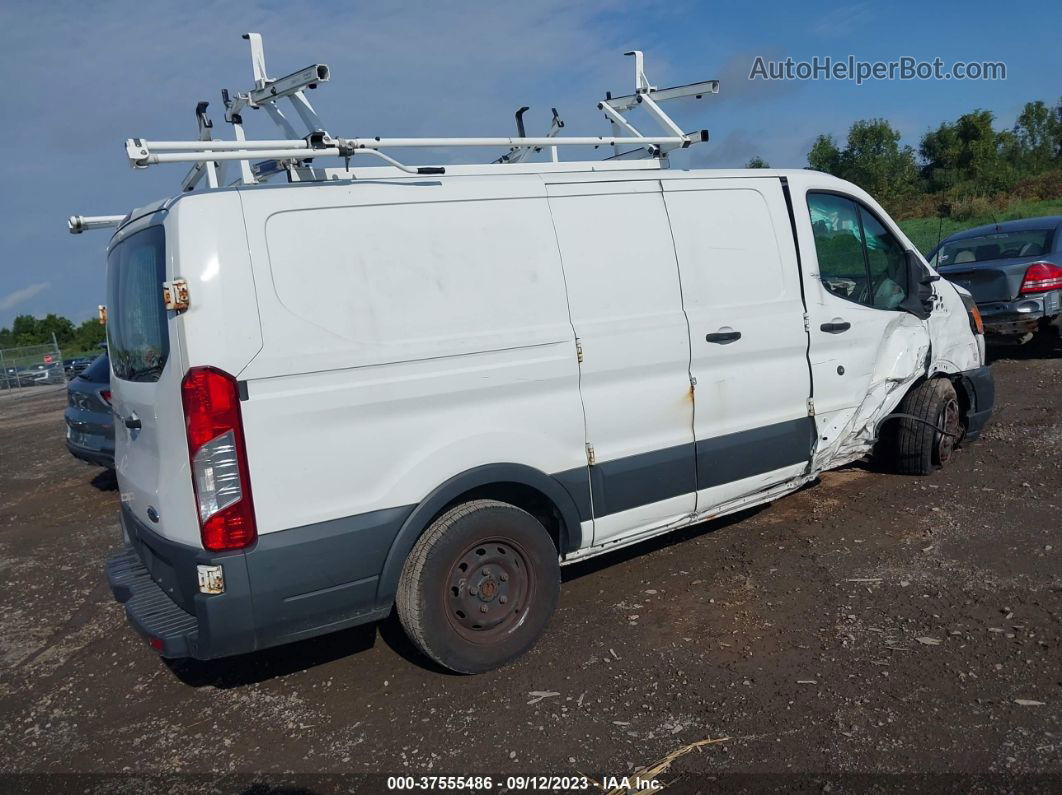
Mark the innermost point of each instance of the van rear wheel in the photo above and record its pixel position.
(925, 440)
(479, 586)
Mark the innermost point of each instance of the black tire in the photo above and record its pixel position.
(482, 616)
(917, 446)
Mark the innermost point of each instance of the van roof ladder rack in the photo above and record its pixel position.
(290, 153)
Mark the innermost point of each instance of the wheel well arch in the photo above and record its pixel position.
(963, 390)
(541, 495)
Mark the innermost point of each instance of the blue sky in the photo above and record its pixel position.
(82, 77)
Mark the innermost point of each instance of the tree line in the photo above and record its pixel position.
(959, 160)
(29, 330)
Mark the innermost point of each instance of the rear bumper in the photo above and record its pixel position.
(1010, 318)
(157, 581)
(170, 630)
(103, 457)
(980, 392)
(90, 436)
(289, 586)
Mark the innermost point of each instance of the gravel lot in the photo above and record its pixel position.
(869, 624)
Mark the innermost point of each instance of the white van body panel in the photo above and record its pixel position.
(625, 300)
(208, 246)
(389, 363)
(345, 355)
(740, 275)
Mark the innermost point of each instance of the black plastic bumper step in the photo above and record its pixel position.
(150, 609)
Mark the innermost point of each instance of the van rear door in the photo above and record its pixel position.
(145, 383)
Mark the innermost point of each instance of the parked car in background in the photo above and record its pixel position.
(76, 365)
(15, 378)
(47, 373)
(1014, 272)
(89, 420)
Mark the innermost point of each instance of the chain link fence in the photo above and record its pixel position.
(31, 366)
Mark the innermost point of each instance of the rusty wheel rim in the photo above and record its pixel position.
(488, 590)
(949, 421)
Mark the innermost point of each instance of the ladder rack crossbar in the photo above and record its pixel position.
(293, 146)
(142, 154)
(219, 146)
(77, 224)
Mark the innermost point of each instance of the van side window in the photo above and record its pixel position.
(859, 259)
(839, 245)
(886, 263)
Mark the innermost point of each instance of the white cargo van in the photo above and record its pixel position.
(376, 391)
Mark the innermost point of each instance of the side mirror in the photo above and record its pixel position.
(920, 292)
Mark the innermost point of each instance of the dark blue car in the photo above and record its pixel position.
(89, 420)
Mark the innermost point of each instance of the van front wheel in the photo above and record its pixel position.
(479, 586)
(926, 438)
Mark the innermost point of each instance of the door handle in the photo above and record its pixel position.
(836, 327)
(132, 422)
(723, 337)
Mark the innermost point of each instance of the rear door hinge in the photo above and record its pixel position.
(175, 295)
(693, 382)
(591, 456)
(811, 407)
(807, 322)
(579, 350)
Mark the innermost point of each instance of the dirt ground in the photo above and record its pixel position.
(907, 629)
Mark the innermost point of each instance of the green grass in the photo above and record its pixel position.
(923, 232)
(74, 353)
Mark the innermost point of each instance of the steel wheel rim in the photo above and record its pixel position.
(949, 421)
(488, 590)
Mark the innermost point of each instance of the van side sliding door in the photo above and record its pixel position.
(626, 306)
(741, 291)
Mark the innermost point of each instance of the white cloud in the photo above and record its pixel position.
(22, 295)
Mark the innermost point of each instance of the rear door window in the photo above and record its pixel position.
(137, 337)
(998, 245)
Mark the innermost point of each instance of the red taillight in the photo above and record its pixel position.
(218, 457)
(105, 394)
(155, 643)
(1041, 277)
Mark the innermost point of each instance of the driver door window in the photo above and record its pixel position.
(859, 259)
(886, 264)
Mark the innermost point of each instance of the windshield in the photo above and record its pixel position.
(998, 245)
(137, 337)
